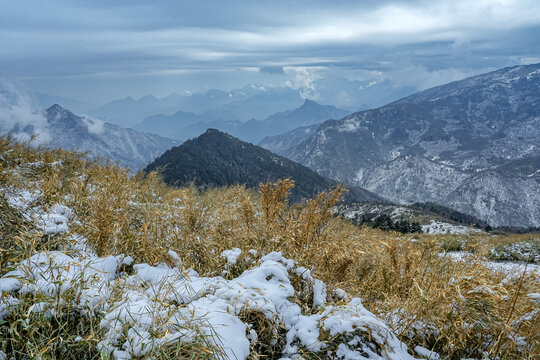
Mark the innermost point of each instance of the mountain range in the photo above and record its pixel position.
(186, 125)
(217, 159)
(243, 104)
(251, 101)
(472, 145)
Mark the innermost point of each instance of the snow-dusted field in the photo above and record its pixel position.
(161, 305)
(510, 267)
(143, 307)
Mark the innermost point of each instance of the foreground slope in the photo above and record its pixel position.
(126, 267)
(83, 302)
(455, 144)
(218, 159)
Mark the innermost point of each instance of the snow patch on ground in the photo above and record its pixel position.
(349, 125)
(513, 269)
(439, 227)
(51, 222)
(426, 353)
(181, 305)
(231, 255)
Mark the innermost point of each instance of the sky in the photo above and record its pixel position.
(100, 50)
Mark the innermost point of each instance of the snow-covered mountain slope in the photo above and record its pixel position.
(499, 199)
(66, 130)
(437, 144)
(416, 179)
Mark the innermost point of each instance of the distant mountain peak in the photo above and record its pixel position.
(148, 98)
(58, 111)
(55, 108)
(308, 102)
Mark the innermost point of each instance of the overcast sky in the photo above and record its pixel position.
(105, 49)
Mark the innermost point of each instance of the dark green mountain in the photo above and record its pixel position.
(217, 159)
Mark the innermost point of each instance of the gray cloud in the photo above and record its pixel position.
(60, 44)
(20, 116)
(275, 70)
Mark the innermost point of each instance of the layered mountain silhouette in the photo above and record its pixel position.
(472, 145)
(186, 125)
(217, 159)
(242, 104)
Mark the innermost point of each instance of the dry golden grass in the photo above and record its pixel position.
(456, 308)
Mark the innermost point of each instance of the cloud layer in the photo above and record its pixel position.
(20, 116)
(98, 43)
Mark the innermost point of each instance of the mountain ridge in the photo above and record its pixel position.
(127, 146)
(186, 125)
(450, 134)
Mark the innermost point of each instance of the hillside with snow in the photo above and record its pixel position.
(471, 145)
(58, 127)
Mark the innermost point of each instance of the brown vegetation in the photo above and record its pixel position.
(456, 308)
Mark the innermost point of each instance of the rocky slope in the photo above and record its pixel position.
(471, 144)
(218, 159)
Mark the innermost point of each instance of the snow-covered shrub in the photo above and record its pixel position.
(528, 251)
